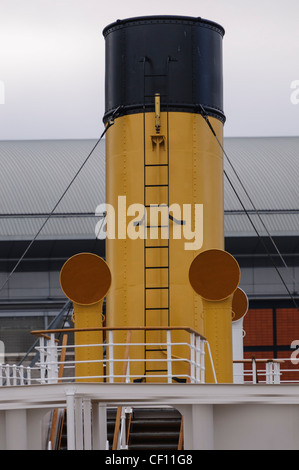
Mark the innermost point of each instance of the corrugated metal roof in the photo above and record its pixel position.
(268, 169)
(34, 175)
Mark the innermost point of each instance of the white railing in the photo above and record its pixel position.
(57, 362)
(289, 370)
(271, 371)
(260, 371)
(55, 358)
(15, 375)
(122, 435)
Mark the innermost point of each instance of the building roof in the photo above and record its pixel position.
(269, 172)
(35, 174)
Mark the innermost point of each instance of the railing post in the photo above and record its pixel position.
(269, 373)
(254, 371)
(192, 362)
(7, 374)
(87, 424)
(21, 372)
(197, 359)
(79, 423)
(14, 375)
(211, 360)
(28, 375)
(202, 361)
(111, 363)
(99, 426)
(276, 373)
(169, 364)
(128, 372)
(52, 360)
(272, 372)
(122, 444)
(70, 411)
(42, 359)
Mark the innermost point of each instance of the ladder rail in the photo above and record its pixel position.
(157, 164)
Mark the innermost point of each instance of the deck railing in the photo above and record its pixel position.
(57, 360)
(53, 357)
(259, 371)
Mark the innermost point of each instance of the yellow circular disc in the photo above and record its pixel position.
(85, 278)
(240, 304)
(214, 274)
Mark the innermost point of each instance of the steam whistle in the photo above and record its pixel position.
(85, 279)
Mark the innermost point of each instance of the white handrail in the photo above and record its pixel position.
(271, 372)
(46, 369)
(211, 360)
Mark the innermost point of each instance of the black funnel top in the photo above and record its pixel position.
(178, 57)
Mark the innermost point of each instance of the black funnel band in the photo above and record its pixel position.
(178, 57)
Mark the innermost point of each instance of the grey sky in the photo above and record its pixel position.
(52, 63)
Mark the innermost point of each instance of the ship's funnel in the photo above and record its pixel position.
(161, 71)
(214, 275)
(85, 279)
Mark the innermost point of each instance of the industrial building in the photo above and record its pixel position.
(261, 232)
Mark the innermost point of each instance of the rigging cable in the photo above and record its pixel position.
(109, 124)
(205, 116)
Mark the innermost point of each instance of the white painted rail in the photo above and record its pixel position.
(46, 370)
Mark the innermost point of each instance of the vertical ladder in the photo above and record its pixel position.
(156, 251)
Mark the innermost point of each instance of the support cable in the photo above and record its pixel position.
(109, 124)
(205, 116)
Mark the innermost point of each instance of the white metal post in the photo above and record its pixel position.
(192, 362)
(211, 360)
(197, 358)
(269, 374)
(169, 364)
(276, 373)
(254, 371)
(14, 375)
(21, 374)
(28, 375)
(42, 359)
(110, 360)
(78, 423)
(99, 426)
(128, 372)
(7, 374)
(87, 423)
(52, 360)
(122, 435)
(202, 361)
(70, 412)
